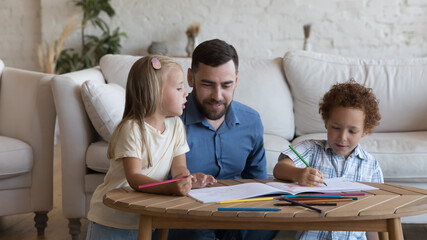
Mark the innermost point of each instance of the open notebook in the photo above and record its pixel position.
(249, 190)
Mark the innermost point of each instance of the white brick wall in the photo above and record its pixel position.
(20, 33)
(257, 28)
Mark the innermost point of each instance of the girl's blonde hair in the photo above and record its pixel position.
(143, 95)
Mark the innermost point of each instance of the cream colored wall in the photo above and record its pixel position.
(257, 28)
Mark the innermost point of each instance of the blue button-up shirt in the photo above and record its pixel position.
(234, 150)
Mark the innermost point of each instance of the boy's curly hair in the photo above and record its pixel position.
(353, 95)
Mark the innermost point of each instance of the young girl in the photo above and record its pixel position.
(147, 144)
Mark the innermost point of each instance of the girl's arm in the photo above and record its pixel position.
(132, 167)
(179, 167)
(199, 180)
(285, 169)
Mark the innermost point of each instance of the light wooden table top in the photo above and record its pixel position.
(378, 210)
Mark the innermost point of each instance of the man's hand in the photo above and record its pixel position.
(201, 180)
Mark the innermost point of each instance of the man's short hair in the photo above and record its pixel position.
(214, 53)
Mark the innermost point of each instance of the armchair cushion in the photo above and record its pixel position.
(16, 157)
(104, 105)
(96, 157)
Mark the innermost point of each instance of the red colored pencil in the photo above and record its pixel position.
(162, 182)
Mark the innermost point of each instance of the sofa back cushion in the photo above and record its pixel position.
(261, 86)
(399, 85)
(1, 67)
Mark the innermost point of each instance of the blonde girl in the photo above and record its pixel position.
(147, 145)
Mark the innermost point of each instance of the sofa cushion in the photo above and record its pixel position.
(16, 157)
(262, 86)
(273, 145)
(104, 105)
(96, 157)
(402, 156)
(399, 85)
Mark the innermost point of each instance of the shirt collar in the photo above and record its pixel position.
(357, 150)
(193, 115)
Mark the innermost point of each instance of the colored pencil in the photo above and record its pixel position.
(303, 205)
(248, 200)
(310, 204)
(324, 200)
(162, 182)
(346, 194)
(320, 199)
(312, 196)
(302, 159)
(248, 209)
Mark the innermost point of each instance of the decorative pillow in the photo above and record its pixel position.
(399, 85)
(105, 104)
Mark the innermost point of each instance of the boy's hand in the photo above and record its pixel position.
(201, 180)
(310, 177)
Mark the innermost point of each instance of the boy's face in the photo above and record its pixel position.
(345, 128)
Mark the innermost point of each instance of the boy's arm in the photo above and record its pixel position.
(285, 169)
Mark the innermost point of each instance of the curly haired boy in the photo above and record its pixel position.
(349, 111)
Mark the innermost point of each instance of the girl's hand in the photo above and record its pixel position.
(310, 177)
(201, 180)
(182, 187)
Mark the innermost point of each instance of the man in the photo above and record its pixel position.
(225, 137)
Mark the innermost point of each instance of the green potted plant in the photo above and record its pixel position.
(93, 47)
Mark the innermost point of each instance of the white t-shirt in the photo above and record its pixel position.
(163, 148)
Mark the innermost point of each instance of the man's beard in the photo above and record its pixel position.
(211, 115)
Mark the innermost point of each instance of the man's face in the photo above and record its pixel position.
(213, 88)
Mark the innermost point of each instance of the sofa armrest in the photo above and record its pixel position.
(76, 135)
(27, 113)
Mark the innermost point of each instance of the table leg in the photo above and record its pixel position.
(163, 234)
(394, 227)
(145, 227)
(383, 235)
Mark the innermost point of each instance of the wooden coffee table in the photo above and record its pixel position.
(377, 211)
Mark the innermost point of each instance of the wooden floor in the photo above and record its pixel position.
(21, 227)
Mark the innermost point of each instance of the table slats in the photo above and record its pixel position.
(355, 207)
(390, 207)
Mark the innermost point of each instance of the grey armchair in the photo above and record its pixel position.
(27, 122)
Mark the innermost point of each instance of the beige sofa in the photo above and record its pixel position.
(27, 122)
(285, 91)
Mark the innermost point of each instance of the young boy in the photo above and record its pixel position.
(349, 111)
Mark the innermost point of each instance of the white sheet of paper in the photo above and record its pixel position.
(257, 189)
